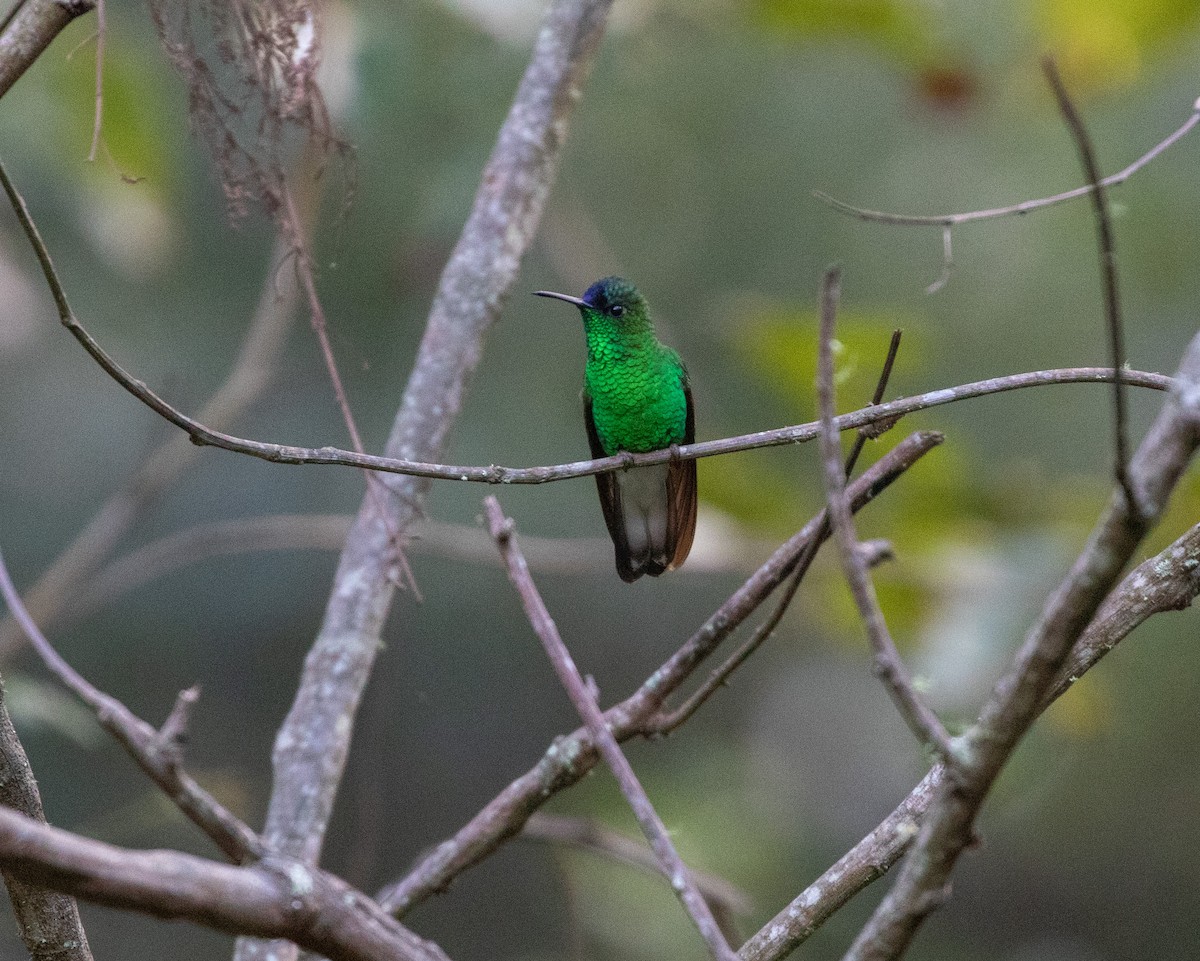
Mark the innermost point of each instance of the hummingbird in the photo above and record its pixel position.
(636, 398)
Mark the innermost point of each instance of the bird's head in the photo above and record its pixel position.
(613, 298)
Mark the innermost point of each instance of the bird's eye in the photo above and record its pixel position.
(616, 310)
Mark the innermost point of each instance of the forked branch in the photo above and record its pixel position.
(667, 721)
(570, 758)
(1168, 581)
(949, 221)
(156, 752)
(1019, 695)
(273, 898)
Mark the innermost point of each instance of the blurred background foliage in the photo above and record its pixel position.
(702, 134)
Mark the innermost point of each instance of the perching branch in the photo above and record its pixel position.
(202, 435)
(273, 898)
(670, 863)
(569, 758)
(888, 665)
(1020, 693)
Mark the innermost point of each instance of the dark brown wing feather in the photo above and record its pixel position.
(681, 494)
(610, 501)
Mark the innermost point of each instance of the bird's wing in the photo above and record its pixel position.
(610, 499)
(681, 493)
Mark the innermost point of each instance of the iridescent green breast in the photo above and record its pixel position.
(638, 399)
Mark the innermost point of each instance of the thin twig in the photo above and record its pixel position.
(949, 221)
(1108, 274)
(953, 220)
(376, 489)
(877, 429)
(670, 863)
(667, 721)
(569, 758)
(947, 261)
(888, 665)
(302, 259)
(155, 754)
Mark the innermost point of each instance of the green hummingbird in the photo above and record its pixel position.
(636, 398)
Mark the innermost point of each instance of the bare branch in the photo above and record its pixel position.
(199, 434)
(1108, 274)
(49, 921)
(670, 863)
(1020, 693)
(870, 859)
(28, 30)
(953, 220)
(1166, 582)
(877, 429)
(313, 743)
(273, 898)
(569, 758)
(947, 261)
(155, 754)
(291, 222)
(949, 221)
